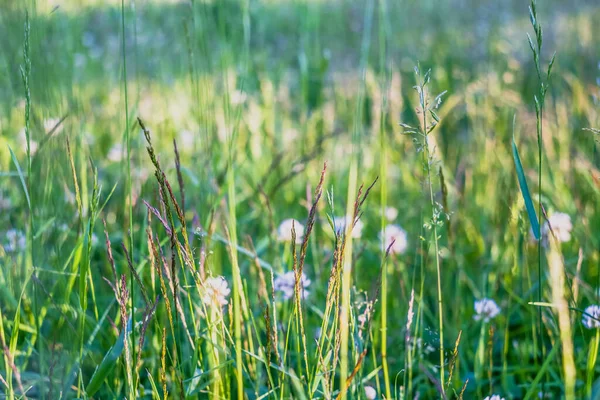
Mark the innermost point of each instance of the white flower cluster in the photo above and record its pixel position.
(394, 234)
(560, 224)
(284, 232)
(390, 213)
(284, 284)
(370, 393)
(494, 397)
(14, 241)
(215, 291)
(591, 317)
(485, 309)
(339, 224)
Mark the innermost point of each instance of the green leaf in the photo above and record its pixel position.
(107, 364)
(16, 162)
(535, 226)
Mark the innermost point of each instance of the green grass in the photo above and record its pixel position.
(113, 237)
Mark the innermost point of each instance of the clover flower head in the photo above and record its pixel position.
(494, 397)
(486, 309)
(216, 291)
(390, 213)
(339, 223)
(591, 317)
(284, 232)
(14, 241)
(561, 226)
(396, 235)
(284, 284)
(370, 392)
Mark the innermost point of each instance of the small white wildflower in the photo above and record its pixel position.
(285, 284)
(494, 397)
(370, 393)
(22, 138)
(186, 139)
(486, 309)
(561, 226)
(284, 232)
(395, 234)
(591, 317)
(362, 318)
(216, 291)
(115, 154)
(339, 224)
(390, 213)
(14, 241)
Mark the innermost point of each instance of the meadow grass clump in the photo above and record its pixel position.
(267, 200)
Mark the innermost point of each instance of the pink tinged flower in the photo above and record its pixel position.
(284, 232)
(339, 224)
(216, 291)
(284, 285)
(391, 213)
(561, 227)
(396, 235)
(116, 153)
(591, 317)
(370, 393)
(485, 310)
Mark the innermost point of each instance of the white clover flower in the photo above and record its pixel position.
(394, 233)
(22, 138)
(339, 223)
(116, 153)
(494, 397)
(561, 226)
(284, 232)
(284, 284)
(186, 139)
(216, 291)
(370, 393)
(14, 241)
(486, 309)
(591, 317)
(390, 213)
(362, 318)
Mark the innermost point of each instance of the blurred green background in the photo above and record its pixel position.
(287, 76)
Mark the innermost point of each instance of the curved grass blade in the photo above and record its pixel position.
(535, 226)
(107, 364)
(21, 177)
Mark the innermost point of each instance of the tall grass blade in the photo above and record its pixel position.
(535, 226)
(107, 364)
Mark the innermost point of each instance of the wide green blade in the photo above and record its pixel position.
(535, 226)
(107, 364)
(21, 177)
